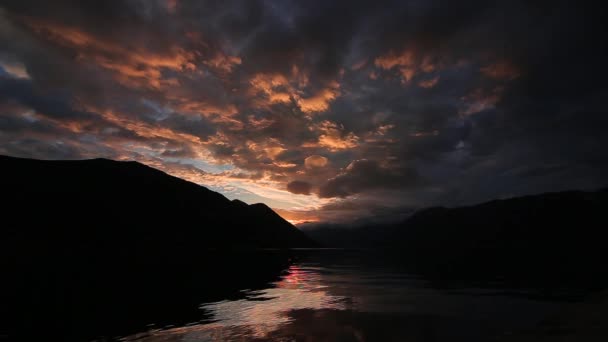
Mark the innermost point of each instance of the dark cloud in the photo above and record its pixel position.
(299, 187)
(52, 104)
(42, 149)
(364, 175)
(196, 125)
(184, 152)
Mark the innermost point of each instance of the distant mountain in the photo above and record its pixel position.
(343, 235)
(562, 232)
(104, 207)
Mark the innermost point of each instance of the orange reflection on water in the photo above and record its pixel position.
(258, 314)
(295, 277)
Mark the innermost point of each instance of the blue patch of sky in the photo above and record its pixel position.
(247, 196)
(158, 112)
(202, 165)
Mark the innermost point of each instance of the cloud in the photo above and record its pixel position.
(409, 64)
(133, 67)
(480, 100)
(320, 101)
(391, 103)
(315, 161)
(299, 187)
(501, 71)
(54, 105)
(14, 69)
(429, 83)
(333, 137)
(364, 175)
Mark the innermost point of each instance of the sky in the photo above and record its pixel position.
(327, 111)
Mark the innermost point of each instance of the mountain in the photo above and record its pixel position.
(104, 207)
(343, 235)
(99, 247)
(561, 233)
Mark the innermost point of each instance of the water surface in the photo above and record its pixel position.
(334, 295)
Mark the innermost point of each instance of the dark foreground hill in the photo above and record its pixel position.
(556, 234)
(102, 248)
(108, 207)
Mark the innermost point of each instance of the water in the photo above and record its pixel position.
(333, 295)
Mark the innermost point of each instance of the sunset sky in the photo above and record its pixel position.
(327, 111)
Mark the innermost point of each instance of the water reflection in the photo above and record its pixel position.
(301, 288)
(259, 313)
(312, 295)
(346, 300)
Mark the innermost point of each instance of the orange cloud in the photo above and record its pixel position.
(430, 83)
(297, 217)
(359, 64)
(278, 89)
(427, 65)
(259, 123)
(424, 134)
(392, 60)
(15, 69)
(299, 77)
(315, 161)
(321, 100)
(408, 63)
(132, 66)
(147, 130)
(223, 62)
(335, 143)
(171, 5)
(501, 71)
(280, 97)
(333, 138)
(216, 113)
(405, 62)
(380, 134)
(480, 100)
(285, 165)
(273, 152)
(383, 129)
(186, 105)
(268, 82)
(407, 73)
(270, 148)
(274, 86)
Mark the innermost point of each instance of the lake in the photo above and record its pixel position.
(342, 295)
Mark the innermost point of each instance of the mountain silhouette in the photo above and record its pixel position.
(129, 209)
(102, 247)
(553, 234)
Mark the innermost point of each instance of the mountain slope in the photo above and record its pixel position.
(126, 208)
(560, 233)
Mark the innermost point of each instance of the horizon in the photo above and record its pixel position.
(394, 217)
(325, 112)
